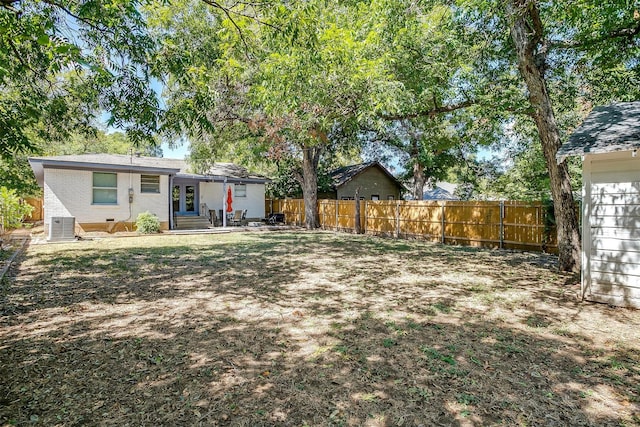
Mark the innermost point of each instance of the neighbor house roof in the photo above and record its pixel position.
(141, 164)
(606, 129)
(345, 174)
(441, 191)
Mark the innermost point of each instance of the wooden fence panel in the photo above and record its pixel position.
(472, 223)
(420, 219)
(525, 227)
(380, 217)
(327, 214)
(511, 224)
(346, 215)
(293, 210)
(38, 209)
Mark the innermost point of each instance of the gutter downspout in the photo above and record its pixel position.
(224, 202)
(171, 202)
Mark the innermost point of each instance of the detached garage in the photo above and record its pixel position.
(608, 140)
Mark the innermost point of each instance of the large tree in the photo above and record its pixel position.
(293, 79)
(558, 49)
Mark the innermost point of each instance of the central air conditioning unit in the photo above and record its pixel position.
(62, 228)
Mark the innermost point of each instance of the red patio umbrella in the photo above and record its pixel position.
(229, 200)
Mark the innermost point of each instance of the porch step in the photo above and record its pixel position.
(191, 223)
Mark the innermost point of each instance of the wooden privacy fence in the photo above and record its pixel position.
(38, 209)
(508, 224)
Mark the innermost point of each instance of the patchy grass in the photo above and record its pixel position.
(307, 329)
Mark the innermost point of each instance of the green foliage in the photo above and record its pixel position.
(147, 223)
(17, 175)
(12, 211)
(527, 179)
(286, 180)
(63, 63)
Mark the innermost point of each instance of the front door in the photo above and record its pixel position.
(184, 198)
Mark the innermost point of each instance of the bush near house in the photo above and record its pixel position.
(147, 223)
(12, 210)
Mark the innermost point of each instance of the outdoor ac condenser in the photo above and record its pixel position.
(62, 228)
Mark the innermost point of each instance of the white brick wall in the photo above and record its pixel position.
(70, 193)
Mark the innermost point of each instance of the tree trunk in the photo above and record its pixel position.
(527, 32)
(357, 225)
(418, 180)
(310, 159)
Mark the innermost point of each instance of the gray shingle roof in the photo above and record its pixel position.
(345, 174)
(139, 163)
(441, 191)
(606, 129)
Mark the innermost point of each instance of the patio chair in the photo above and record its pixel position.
(237, 217)
(275, 218)
(213, 218)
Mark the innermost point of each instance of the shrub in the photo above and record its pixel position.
(12, 212)
(147, 223)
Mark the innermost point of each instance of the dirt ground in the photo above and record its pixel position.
(307, 329)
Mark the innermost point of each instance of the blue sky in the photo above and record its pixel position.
(175, 153)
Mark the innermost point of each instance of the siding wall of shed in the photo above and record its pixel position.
(371, 182)
(611, 228)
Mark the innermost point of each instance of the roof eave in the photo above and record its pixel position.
(606, 147)
(62, 164)
(222, 178)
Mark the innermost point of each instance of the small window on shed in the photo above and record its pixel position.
(375, 197)
(346, 198)
(391, 197)
(149, 183)
(241, 190)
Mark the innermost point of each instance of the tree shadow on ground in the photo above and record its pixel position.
(302, 330)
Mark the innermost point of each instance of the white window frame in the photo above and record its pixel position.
(240, 190)
(149, 190)
(94, 188)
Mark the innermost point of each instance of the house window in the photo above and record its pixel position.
(375, 197)
(105, 188)
(241, 190)
(346, 198)
(149, 183)
(390, 197)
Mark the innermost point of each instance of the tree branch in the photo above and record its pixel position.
(429, 113)
(627, 32)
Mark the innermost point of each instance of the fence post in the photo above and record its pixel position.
(364, 222)
(299, 212)
(337, 223)
(442, 236)
(501, 224)
(398, 219)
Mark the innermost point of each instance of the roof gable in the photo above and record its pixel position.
(345, 174)
(606, 129)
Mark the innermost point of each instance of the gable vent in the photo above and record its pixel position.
(62, 228)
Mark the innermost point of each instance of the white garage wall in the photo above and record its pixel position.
(611, 228)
